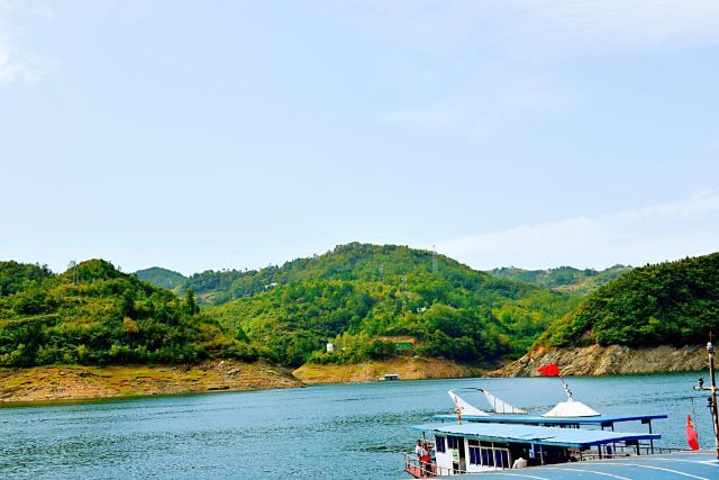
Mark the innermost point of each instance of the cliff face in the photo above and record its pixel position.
(611, 360)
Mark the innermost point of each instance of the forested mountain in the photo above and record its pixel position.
(563, 279)
(670, 303)
(162, 277)
(359, 294)
(94, 314)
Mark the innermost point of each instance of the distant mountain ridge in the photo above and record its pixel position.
(564, 279)
(162, 277)
(215, 287)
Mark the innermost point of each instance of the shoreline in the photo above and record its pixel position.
(74, 383)
(408, 368)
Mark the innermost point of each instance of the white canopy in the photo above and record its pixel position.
(498, 405)
(465, 408)
(571, 408)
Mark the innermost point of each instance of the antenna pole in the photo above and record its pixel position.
(715, 415)
(713, 398)
(566, 387)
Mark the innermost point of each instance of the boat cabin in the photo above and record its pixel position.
(480, 447)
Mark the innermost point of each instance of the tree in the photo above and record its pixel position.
(191, 307)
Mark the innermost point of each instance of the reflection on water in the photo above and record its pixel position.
(336, 431)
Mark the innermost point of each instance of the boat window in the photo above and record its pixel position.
(501, 458)
(452, 442)
(487, 457)
(441, 444)
(474, 456)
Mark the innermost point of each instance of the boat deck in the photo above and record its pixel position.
(701, 465)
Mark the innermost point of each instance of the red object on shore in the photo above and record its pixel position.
(692, 434)
(551, 370)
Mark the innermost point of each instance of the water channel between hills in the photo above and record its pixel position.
(333, 431)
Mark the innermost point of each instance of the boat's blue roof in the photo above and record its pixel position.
(680, 465)
(538, 419)
(563, 437)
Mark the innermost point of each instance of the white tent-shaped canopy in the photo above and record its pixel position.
(498, 405)
(571, 408)
(465, 408)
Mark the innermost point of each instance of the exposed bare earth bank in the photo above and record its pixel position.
(408, 368)
(611, 360)
(58, 383)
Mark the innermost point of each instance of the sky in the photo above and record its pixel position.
(238, 134)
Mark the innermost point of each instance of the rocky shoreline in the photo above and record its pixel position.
(611, 360)
(408, 368)
(69, 383)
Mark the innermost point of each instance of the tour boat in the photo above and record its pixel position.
(571, 440)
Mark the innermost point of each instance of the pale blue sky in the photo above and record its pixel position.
(229, 134)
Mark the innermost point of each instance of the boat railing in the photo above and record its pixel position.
(418, 469)
(621, 451)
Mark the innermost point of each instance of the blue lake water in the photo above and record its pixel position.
(335, 431)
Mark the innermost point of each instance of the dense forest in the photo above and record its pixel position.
(563, 279)
(369, 301)
(669, 303)
(358, 296)
(95, 314)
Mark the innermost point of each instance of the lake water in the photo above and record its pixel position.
(334, 431)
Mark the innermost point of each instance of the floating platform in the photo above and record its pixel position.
(701, 465)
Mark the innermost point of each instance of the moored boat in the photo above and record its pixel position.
(569, 441)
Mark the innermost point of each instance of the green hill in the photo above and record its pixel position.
(162, 277)
(563, 279)
(673, 303)
(358, 295)
(95, 314)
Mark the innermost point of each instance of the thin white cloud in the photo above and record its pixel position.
(17, 66)
(530, 29)
(651, 234)
(622, 24)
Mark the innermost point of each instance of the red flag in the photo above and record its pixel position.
(551, 370)
(692, 434)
